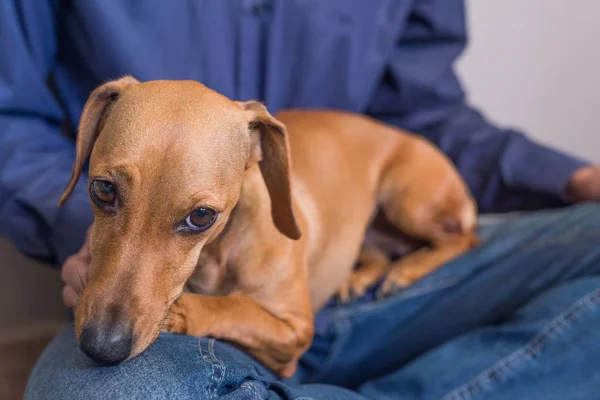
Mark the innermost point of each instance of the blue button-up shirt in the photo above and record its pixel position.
(390, 59)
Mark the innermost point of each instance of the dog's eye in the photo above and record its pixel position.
(103, 193)
(200, 219)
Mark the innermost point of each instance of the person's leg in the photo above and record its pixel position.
(174, 367)
(517, 261)
(548, 349)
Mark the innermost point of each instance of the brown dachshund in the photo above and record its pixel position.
(192, 190)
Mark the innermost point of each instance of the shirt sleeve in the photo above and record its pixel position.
(35, 158)
(420, 92)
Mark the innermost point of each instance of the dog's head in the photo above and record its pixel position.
(167, 162)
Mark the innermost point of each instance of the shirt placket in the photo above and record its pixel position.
(252, 52)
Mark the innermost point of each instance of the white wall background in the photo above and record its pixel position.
(533, 64)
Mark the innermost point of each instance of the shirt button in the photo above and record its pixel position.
(260, 7)
(257, 9)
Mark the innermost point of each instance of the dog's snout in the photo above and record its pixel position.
(106, 345)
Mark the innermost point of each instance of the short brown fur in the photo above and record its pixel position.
(295, 196)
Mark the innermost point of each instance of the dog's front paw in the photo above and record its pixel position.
(176, 320)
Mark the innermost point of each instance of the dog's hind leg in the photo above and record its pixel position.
(423, 196)
(373, 265)
(420, 263)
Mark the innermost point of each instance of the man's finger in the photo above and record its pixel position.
(584, 185)
(69, 296)
(67, 266)
(74, 272)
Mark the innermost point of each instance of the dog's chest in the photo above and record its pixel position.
(210, 276)
(331, 263)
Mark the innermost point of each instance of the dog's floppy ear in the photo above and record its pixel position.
(92, 120)
(270, 148)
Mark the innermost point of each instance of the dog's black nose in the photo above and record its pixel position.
(107, 345)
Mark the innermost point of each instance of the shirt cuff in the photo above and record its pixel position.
(538, 168)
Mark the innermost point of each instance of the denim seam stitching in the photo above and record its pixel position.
(253, 389)
(220, 365)
(532, 349)
(204, 353)
(212, 368)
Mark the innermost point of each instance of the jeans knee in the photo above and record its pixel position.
(175, 366)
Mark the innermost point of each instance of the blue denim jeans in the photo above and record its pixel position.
(518, 317)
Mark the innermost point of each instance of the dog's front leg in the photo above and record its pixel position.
(277, 341)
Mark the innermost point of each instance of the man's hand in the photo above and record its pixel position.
(584, 185)
(74, 273)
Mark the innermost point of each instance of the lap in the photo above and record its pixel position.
(174, 367)
(547, 349)
(519, 260)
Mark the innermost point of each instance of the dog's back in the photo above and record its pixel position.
(193, 189)
(336, 160)
(340, 171)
